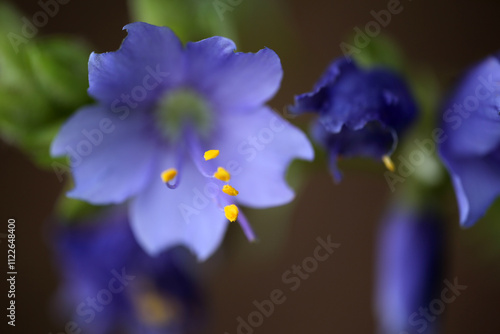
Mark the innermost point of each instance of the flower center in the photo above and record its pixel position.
(180, 108)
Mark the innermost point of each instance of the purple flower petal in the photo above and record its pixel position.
(471, 118)
(364, 111)
(233, 81)
(110, 158)
(373, 141)
(256, 148)
(206, 56)
(350, 96)
(149, 59)
(189, 215)
(477, 185)
(471, 146)
(409, 267)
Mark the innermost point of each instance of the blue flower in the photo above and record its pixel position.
(110, 284)
(471, 142)
(409, 270)
(362, 112)
(161, 106)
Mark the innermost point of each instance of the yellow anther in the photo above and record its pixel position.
(168, 175)
(211, 154)
(155, 310)
(222, 174)
(388, 163)
(229, 190)
(231, 212)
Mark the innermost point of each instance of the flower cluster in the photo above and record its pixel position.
(182, 134)
(172, 141)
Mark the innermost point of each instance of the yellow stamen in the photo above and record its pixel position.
(231, 212)
(168, 175)
(388, 163)
(222, 174)
(229, 190)
(155, 310)
(211, 154)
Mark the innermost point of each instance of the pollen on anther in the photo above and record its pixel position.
(168, 175)
(231, 212)
(211, 154)
(229, 190)
(388, 163)
(222, 174)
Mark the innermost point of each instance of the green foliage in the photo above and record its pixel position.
(381, 51)
(42, 82)
(191, 20)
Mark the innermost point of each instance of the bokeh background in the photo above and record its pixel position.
(444, 36)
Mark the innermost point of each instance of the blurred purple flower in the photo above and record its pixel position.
(409, 270)
(361, 112)
(110, 284)
(161, 105)
(471, 149)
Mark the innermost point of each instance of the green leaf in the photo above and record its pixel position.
(191, 20)
(381, 51)
(41, 85)
(59, 67)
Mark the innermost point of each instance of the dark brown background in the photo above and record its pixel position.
(444, 35)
